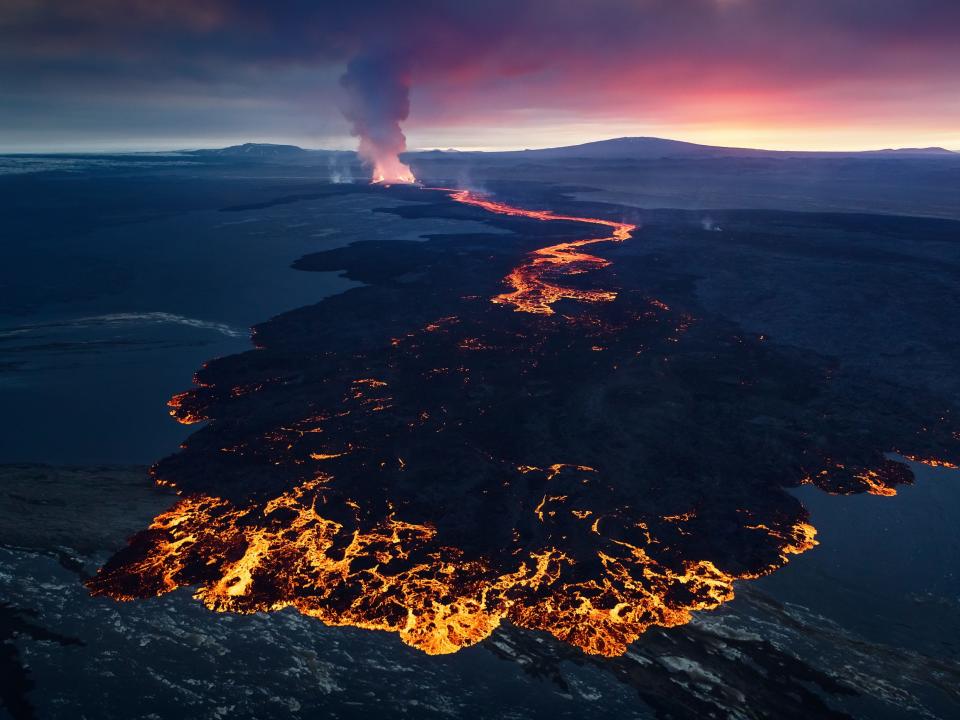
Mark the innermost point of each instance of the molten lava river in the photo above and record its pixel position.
(566, 449)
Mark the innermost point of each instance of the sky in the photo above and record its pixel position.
(485, 74)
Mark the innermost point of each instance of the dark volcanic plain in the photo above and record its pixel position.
(588, 473)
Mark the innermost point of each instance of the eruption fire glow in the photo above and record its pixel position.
(390, 171)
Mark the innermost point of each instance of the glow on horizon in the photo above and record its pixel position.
(843, 138)
(163, 75)
(486, 139)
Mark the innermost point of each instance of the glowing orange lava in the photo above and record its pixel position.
(397, 576)
(390, 171)
(534, 289)
(182, 417)
(933, 462)
(597, 576)
(436, 483)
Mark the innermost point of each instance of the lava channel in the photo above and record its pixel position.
(534, 290)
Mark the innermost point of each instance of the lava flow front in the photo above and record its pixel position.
(410, 457)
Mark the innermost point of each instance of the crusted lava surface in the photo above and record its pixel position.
(503, 427)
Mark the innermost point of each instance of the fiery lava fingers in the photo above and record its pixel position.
(535, 289)
(398, 577)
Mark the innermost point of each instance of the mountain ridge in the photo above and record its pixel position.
(656, 148)
(622, 148)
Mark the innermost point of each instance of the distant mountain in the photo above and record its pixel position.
(256, 150)
(934, 151)
(643, 148)
(625, 148)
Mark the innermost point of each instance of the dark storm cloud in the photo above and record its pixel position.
(526, 31)
(581, 56)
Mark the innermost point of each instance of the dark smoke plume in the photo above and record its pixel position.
(377, 100)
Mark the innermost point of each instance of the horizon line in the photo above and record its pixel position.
(189, 147)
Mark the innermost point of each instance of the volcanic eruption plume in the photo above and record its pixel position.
(377, 101)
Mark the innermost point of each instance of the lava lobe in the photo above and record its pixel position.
(569, 453)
